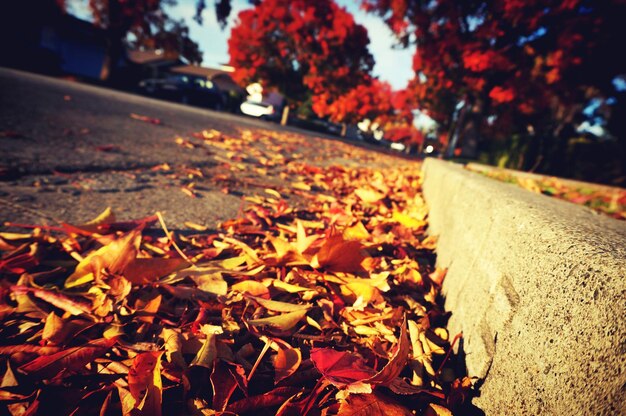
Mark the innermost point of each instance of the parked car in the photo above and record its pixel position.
(259, 109)
(184, 89)
(267, 107)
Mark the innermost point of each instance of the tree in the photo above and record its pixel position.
(524, 69)
(145, 23)
(304, 48)
(371, 100)
(170, 36)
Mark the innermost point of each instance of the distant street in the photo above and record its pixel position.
(69, 150)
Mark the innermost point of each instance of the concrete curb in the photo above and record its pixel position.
(537, 287)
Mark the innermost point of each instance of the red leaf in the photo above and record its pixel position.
(397, 362)
(341, 368)
(224, 385)
(73, 359)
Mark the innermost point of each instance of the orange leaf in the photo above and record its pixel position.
(373, 404)
(356, 232)
(286, 363)
(144, 383)
(147, 270)
(339, 255)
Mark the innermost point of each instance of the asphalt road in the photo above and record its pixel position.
(69, 150)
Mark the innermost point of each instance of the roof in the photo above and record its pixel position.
(198, 71)
(139, 56)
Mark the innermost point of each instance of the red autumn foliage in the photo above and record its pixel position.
(306, 50)
(545, 60)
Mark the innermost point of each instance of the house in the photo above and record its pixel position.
(78, 47)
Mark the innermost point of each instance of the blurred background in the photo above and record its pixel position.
(530, 85)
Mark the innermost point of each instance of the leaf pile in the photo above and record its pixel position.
(327, 308)
(609, 201)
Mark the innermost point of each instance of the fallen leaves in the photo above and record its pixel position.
(321, 298)
(607, 200)
(145, 119)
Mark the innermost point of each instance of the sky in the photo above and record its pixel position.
(392, 65)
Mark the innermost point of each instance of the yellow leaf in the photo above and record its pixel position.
(287, 287)
(273, 192)
(369, 195)
(283, 322)
(300, 186)
(286, 253)
(250, 287)
(407, 220)
(53, 328)
(233, 262)
(436, 410)
(105, 217)
(276, 306)
(147, 308)
(354, 290)
(303, 242)
(356, 232)
(114, 257)
(195, 226)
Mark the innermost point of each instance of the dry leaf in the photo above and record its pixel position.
(374, 404)
(144, 383)
(286, 363)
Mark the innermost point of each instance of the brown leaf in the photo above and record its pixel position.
(147, 270)
(270, 399)
(224, 385)
(147, 307)
(72, 305)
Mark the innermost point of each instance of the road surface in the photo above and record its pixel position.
(69, 150)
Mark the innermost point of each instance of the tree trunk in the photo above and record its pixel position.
(285, 117)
